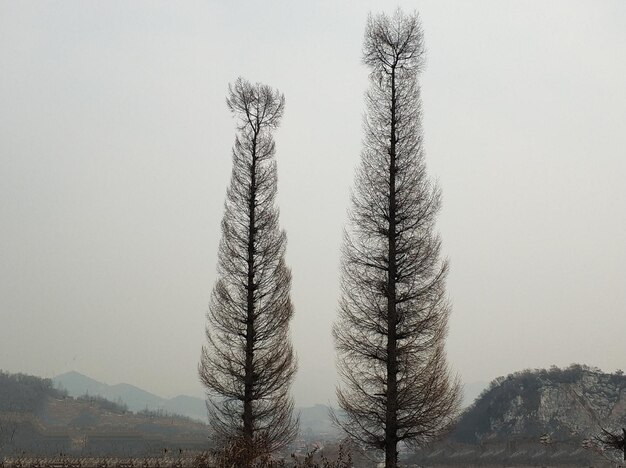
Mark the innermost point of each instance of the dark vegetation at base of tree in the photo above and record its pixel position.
(236, 454)
(333, 456)
(522, 453)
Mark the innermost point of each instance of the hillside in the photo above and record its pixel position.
(315, 422)
(137, 399)
(37, 418)
(23, 393)
(567, 404)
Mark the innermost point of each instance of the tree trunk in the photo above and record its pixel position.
(248, 423)
(391, 429)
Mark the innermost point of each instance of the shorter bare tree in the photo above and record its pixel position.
(248, 363)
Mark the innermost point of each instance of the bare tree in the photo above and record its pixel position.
(248, 363)
(609, 440)
(393, 309)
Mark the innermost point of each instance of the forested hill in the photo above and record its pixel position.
(567, 404)
(37, 418)
(25, 393)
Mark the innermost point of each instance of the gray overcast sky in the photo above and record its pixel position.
(115, 154)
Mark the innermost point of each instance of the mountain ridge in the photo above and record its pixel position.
(40, 419)
(314, 420)
(136, 398)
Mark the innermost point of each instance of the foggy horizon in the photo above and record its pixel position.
(115, 156)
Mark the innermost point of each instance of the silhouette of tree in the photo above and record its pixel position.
(612, 441)
(248, 363)
(393, 308)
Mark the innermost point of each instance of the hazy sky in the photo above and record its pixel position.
(115, 154)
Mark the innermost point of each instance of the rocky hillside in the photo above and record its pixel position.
(567, 404)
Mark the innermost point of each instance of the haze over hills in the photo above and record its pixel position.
(563, 402)
(55, 415)
(314, 417)
(314, 420)
(137, 399)
(508, 420)
(38, 419)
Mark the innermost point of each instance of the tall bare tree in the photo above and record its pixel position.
(248, 363)
(393, 309)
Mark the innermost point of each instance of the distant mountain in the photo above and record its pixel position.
(39, 419)
(315, 421)
(137, 399)
(189, 406)
(566, 404)
(78, 384)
